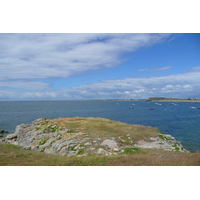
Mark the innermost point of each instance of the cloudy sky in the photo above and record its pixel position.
(99, 66)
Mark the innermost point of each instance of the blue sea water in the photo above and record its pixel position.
(178, 119)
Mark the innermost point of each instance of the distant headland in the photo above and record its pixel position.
(154, 99)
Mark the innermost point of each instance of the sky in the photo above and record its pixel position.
(100, 66)
(88, 66)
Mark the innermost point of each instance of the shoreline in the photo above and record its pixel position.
(167, 100)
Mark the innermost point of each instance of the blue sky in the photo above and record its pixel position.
(99, 66)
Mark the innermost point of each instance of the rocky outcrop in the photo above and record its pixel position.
(111, 144)
(3, 131)
(46, 136)
(166, 142)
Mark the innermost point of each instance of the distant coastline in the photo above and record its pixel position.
(152, 99)
(173, 99)
(197, 100)
(179, 100)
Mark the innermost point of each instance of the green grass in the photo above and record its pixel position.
(11, 146)
(45, 122)
(176, 147)
(70, 131)
(163, 137)
(132, 150)
(80, 151)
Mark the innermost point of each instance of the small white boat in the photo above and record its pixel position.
(174, 104)
(193, 107)
(158, 104)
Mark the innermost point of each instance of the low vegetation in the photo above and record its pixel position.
(11, 155)
(102, 127)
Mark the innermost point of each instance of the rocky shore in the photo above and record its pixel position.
(49, 136)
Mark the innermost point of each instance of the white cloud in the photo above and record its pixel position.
(187, 87)
(40, 56)
(181, 85)
(41, 95)
(196, 68)
(26, 85)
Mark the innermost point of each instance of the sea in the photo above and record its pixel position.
(179, 119)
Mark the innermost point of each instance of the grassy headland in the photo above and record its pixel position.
(88, 131)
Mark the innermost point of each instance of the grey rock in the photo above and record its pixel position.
(63, 151)
(110, 144)
(15, 142)
(27, 147)
(60, 147)
(77, 147)
(55, 144)
(43, 146)
(36, 147)
(2, 140)
(50, 150)
(169, 144)
(50, 141)
(72, 153)
(55, 134)
(88, 143)
(101, 151)
(115, 149)
(11, 136)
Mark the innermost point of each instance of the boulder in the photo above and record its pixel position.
(3, 131)
(101, 151)
(111, 144)
(19, 129)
